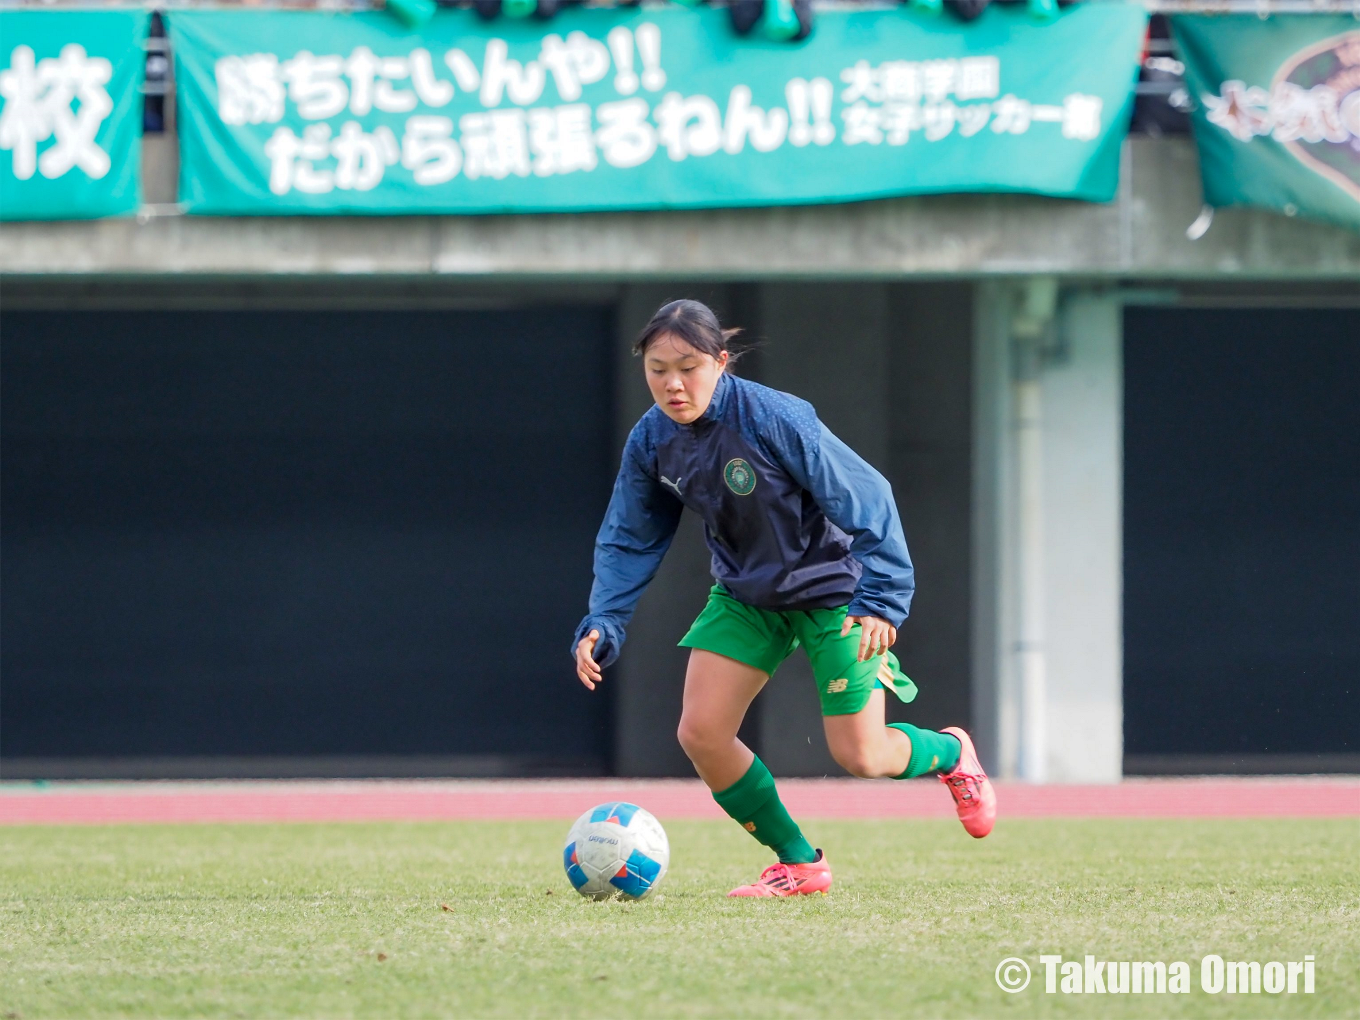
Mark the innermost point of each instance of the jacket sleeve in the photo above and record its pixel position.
(859, 501)
(636, 532)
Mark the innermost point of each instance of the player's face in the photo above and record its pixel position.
(681, 379)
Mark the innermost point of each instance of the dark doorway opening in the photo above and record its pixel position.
(301, 542)
(1242, 540)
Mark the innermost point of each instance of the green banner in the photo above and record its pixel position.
(70, 112)
(304, 112)
(1278, 111)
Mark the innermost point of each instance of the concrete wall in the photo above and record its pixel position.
(1142, 233)
(1080, 504)
(992, 570)
(1083, 504)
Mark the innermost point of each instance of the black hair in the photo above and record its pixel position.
(692, 322)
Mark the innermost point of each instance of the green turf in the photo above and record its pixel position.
(346, 920)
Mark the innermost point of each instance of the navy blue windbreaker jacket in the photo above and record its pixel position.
(795, 518)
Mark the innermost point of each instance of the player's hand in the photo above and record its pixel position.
(586, 667)
(875, 636)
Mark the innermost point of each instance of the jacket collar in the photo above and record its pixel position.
(722, 393)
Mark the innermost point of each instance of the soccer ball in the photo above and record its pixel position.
(614, 850)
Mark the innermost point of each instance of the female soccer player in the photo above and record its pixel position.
(807, 549)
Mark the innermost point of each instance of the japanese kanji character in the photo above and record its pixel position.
(429, 151)
(861, 82)
(1242, 112)
(978, 78)
(938, 79)
(689, 126)
(75, 77)
(580, 60)
(898, 121)
(522, 82)
(291, 159)
(862, 124)
(38, 99)
(560, 139)
(900, 80)
(624, 136)
(1011, 115)
(495, 144)
(314, 85)
(249, 90)
(765, 130)
(1081, 117)
(433, 91)
(24, 121)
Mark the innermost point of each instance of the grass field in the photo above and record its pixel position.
(346, 920)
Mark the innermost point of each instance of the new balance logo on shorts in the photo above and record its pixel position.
(837, 686)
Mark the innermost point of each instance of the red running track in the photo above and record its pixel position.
(377, 800)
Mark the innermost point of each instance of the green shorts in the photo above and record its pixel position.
(764, 638)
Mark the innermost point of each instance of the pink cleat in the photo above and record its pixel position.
(790, 880)
(973, 794)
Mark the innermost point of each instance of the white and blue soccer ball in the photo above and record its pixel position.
(616, 850)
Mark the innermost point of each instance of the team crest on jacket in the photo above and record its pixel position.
(739, 477)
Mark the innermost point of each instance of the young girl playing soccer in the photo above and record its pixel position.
(807, 549)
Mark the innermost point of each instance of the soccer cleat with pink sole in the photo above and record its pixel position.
(973, 795)
(790, 880)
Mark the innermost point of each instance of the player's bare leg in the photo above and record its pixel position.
(865, 746)
(718, 691)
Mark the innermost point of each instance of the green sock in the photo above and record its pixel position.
(930, 751)
(754, 802)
